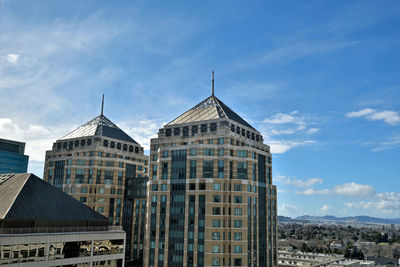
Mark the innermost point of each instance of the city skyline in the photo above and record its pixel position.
(319, 80)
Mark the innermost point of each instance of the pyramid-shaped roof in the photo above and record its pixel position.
(24, 196)
(99, 126)
(209, 109)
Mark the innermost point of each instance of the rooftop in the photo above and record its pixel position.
(99, 126)
(28, 201)
(209, 109)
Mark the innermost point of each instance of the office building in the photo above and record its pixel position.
(42, 226)
(12, 158)
(211, 200)
(103, 167)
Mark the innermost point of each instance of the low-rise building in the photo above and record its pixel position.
(42, 226)
(298, 258)
(12, 157)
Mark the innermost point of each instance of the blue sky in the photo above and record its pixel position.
(319, 79)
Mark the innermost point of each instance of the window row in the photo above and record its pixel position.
(192, 130)
(119, 146)
(246, 133)
(71, 144)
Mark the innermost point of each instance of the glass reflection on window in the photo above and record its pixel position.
(104, 247)
(22, 253)
(66, 250)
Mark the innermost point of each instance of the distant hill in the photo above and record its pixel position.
(284, 219)
(363, 219)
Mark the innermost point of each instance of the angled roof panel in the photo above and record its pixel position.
(31, 198)
(9, 189)
(99, 126)
(209, 109)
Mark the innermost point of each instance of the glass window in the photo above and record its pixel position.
(221, 152)
(200, 235)
(217, 186)
(238, 261)
(237, 211)
(153, 198)
(200, 248)
(215, 248)
(220, 141)
(242, 153)
(237, 223)
(237, 249)
(165, 154)
(193, 168)
(208, 166)
(237, 199)
(201, 222)
(216, 223)
(215, 262)
(237, 187)
(237, 236)
(242, 170)
(216, 210)
(164, 187)
(193, 152)
(216, 235)
(208, 152)
(100, 209)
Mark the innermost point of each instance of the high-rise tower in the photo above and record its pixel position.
(103, 167)
(211, 200)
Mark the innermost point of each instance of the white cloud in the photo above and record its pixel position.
(298, 182)
(38, 138)
(388, 116)
(286, 124)
(13, 58)
(349, 189)
(312, 130)
(287, 209)
(325, 208)
(360, 113)
(279, 178)
(281, 118)
(353, 189)
(304, 184)
(311, 191)
(282, 146)
(387, 203)
(143, 131)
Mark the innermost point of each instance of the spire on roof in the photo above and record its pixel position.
(212, 84)
(102, 105)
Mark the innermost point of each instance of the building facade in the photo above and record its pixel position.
(103, 167)
(12, 158)
(64, 232)
(211, 200)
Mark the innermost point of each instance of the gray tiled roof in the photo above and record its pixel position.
(209, 109)
(99, 126)
(24, 196)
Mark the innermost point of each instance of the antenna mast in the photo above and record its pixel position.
(102, 105)
(212, 84)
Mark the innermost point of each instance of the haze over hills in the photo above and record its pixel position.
(361, 219)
